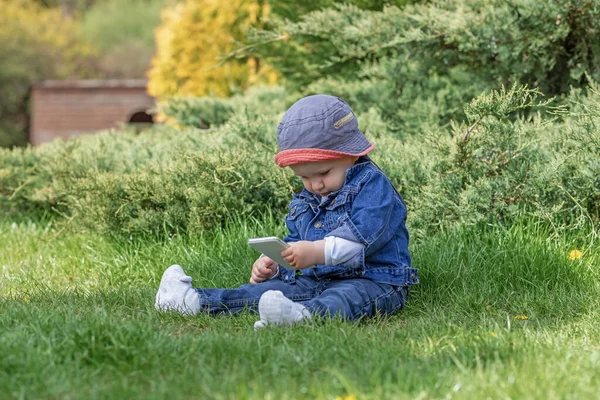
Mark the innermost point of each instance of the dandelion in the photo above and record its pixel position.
(575, 255)
(350, 397)
(521, 317)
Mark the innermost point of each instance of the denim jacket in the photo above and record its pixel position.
(368, 210)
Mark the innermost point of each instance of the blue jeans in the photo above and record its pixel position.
(349, 299)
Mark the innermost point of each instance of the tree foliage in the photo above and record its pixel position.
(192, 38)
(125, 44)
(418, 64)
(294, 10)
(36, 43)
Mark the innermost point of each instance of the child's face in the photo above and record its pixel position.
(323, 177)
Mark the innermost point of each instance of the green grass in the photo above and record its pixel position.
(77, 321)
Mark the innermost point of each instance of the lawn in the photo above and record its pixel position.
(500, 313)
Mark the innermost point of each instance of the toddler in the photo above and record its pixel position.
(347, 233)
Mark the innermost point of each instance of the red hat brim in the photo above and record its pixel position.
(298, 156)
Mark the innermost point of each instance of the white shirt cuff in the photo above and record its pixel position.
(338, 250)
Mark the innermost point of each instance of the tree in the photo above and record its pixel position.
(191, 40)
(35, 43)
(125, 45)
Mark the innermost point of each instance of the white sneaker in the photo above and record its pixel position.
(176, 293)
(276, 309)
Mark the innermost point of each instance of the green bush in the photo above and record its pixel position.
(505, 162)
(164, 180)
(224, 176)
(207, 112)
(199, 112)
(38, 180)
(514, 155)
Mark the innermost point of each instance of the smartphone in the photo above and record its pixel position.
(271, 247)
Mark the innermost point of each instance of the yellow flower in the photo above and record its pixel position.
(521, 317)
(575, 255)
(25, 300)
(350, 397)
(493, 334)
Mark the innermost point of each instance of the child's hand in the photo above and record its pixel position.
(264, 268)
(304, 253)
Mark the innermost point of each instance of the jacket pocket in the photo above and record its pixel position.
(335, 211)
(297, 214)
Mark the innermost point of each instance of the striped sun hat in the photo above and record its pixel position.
(319, 128)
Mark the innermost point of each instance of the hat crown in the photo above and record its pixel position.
(319, 127)
(319, 122)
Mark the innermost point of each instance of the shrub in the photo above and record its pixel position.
(514, 155)
(206, 112)
(195, 189)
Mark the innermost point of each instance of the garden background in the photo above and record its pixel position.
(485, 115)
